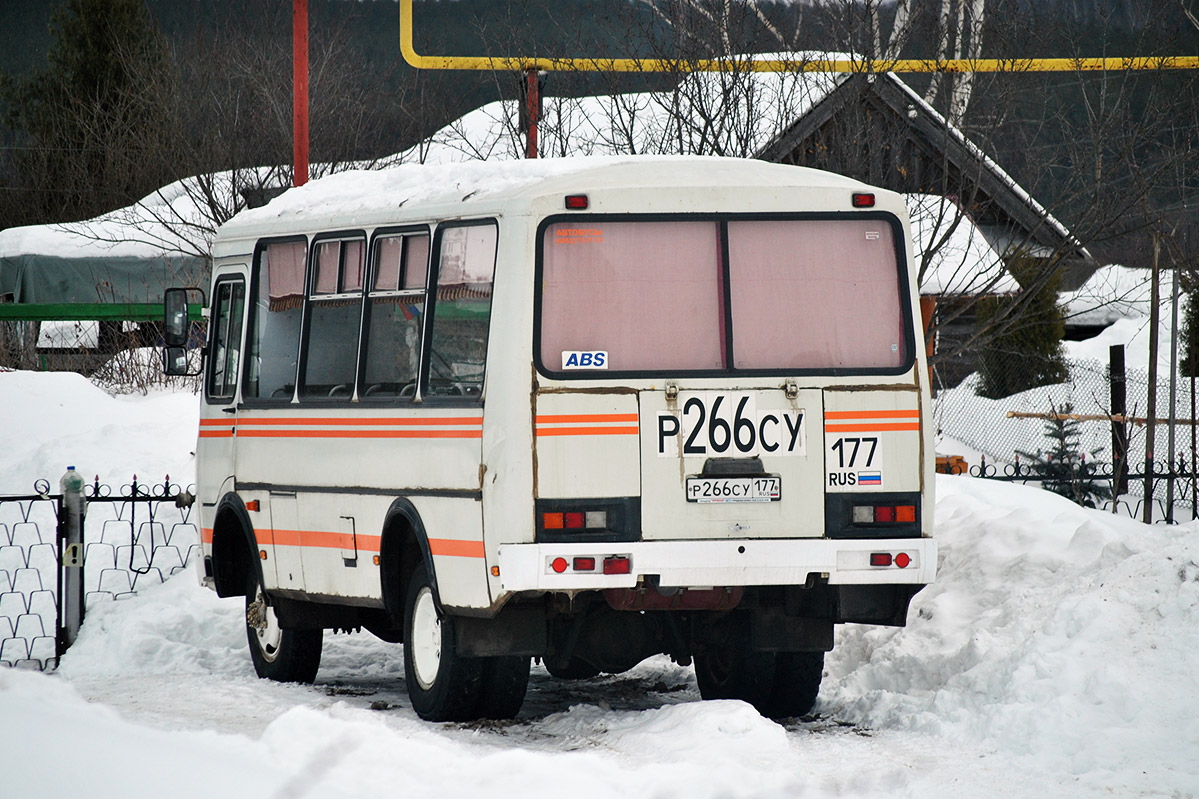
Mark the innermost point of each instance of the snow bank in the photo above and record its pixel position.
(1063, 638)
(1055, 654)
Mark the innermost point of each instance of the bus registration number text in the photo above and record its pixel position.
(712, 424)
(734, 489)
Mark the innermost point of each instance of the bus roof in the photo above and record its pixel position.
(365, 198)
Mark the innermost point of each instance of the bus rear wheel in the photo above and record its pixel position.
(797, 677)
(442, 685)
(735, 672)
(278, 654)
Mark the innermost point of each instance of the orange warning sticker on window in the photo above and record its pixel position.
(577, 235)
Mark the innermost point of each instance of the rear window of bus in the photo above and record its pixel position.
(722, 295)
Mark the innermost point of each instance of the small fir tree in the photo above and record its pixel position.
(1064, 468)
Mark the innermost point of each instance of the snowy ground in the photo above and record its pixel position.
(1057, 655)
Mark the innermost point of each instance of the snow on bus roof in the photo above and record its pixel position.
(363, 193)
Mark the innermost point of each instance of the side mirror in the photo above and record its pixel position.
(174, 362)
(174, 323)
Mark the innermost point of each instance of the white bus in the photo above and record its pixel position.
(587, 411)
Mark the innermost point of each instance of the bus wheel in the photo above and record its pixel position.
(278, 654)
(797, 678)
(502, 690)
(735, 672)
(442, 685)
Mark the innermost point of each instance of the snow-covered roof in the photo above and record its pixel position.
(961, 260)
(366, 197)
(1112, 293)
(127, 255)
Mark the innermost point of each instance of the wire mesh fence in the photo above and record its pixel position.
(134, 536)
(1009, 443)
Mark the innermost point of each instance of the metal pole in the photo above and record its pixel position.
(1119, 397)
(532, 109)
(72, 509)
(1151, 413)
(1173, 393)
(299, 57)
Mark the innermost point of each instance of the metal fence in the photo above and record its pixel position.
(1006, 443)
(131, 537)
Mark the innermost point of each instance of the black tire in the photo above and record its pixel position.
(441, 685)
(573, 669)
(278, 654)
(504, 683)
(736, 672)
(797, 677)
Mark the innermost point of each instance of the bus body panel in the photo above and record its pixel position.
(586, 445)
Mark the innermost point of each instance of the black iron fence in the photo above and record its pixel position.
(61, 553)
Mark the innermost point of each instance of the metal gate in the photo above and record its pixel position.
(62, 553)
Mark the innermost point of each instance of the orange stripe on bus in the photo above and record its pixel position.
(244, 433)
(456, 548)
(426, 421)
(908, 414)
(217, 422)
(869, 427)
(216, 433)
(587, 431)
(318, 539)
(587, 417)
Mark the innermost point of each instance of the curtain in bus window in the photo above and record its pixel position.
(815, 294)
(273, 343)
(331, 354)
(286, 269)
(646, 293)
(461, 318)
(393, 327)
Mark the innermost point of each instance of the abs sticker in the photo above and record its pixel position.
(585, 359)
(710, 424)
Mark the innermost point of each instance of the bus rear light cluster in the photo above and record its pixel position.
(883, 514)
(902, 560)
(587, 564)
(575, 520)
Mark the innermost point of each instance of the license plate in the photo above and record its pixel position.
(734, 489)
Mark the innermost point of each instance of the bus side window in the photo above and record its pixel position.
(462, 310)
(273, 344)
(335, 305)
(395, 311)
(228, 308)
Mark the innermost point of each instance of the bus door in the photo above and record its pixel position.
(217, 440)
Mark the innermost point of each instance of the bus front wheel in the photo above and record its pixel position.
(442, 685)
(278, 654)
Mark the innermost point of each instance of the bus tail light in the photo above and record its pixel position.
(618, 564)
(883, 514)
(577, 520)
(880, 559)
(576, 202)
(863, 200)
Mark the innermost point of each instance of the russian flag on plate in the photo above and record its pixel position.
(870, 478)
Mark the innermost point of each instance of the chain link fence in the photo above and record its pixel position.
(984, 426)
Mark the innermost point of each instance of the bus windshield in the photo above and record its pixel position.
(747, 295)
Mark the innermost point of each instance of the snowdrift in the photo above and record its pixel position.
(1056, 655)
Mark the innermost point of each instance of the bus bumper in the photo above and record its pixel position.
(693, 564)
